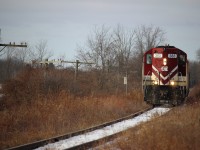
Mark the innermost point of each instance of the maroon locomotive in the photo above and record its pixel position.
(165, 76)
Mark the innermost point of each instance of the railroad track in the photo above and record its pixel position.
(41, 143)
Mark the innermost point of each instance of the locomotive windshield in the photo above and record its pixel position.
(165, 76)
(181, 59)
(149, 59)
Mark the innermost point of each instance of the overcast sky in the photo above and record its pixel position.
(67, 23)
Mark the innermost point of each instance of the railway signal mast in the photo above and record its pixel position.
(77, 64)
(12, 45)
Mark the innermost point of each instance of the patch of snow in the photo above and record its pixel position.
(109, 144)
(106, 131)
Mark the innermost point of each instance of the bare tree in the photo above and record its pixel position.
(119, 50)
(198, 66)
(41, 51)
(99, 50)
(123, 46)
(146, 38)
(99, 46)
(194, 72)
(194, 67)
(198, 55)
(10, 64)
(23, 54)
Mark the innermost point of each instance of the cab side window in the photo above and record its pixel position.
(149, 59)
(182, 59)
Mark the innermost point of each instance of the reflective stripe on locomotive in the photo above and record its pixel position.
(165, 75)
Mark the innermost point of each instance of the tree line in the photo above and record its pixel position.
(13, 59)
(116, 52)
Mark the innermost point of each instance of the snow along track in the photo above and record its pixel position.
(105, 131)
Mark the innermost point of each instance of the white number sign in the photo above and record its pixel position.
(172, 55)
(157, 55)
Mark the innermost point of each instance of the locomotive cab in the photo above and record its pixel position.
(165, 75)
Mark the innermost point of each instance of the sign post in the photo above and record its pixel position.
(126, 83)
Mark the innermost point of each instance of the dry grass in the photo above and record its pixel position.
(47, 118)
(179, 129)
(194, 95)
(34, 109)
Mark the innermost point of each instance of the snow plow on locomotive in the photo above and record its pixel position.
(165, 77)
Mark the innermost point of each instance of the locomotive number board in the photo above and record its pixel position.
(172, 55)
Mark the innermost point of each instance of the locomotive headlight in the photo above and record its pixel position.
(155, 82)
(164, 61)
(172, 82)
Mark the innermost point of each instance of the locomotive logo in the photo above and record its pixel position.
(164, 68)
(164, 78)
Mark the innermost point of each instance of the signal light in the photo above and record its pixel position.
(155, 82)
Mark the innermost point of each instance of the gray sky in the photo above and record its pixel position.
(67, 23)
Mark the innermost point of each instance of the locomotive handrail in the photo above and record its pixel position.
(144, 88)
(169, 77)
(182, 81)
(181, 76)
(146, 78)
(169, 81)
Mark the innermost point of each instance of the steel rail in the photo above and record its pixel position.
(41, 143)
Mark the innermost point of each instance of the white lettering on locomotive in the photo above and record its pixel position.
(157, 55)
(164, 68)
(172, 55)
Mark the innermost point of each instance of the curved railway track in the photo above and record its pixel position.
(44, 142)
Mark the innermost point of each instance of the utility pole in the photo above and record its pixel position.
(12, 45)
(126, 83)
(77, 64)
